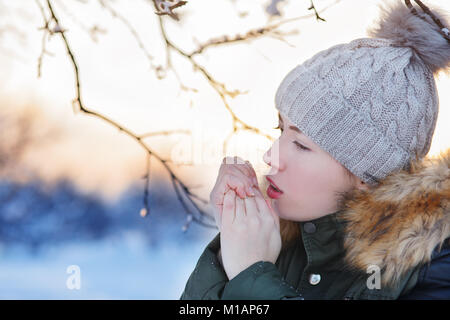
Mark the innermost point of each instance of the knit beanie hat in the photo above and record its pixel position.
(372, 103)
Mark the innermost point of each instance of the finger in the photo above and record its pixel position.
(265, 208)
(224, 184)
(253, 173)
(240, 210)
(229, 204)
(247, 168)
(244, 166)
(241, 169)
(250, 180)
(217, 211)
(228, 167)
(251, 207)
(274, 214)
(237, 163)
(239, 183)
(241, 173)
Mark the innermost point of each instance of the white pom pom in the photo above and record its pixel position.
(418, 32)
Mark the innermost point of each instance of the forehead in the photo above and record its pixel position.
(291, 126)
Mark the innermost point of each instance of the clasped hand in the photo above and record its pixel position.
(249, 227)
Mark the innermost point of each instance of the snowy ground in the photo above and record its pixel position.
(119, 254)
(120, 269)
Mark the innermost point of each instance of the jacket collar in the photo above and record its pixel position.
(397, 224)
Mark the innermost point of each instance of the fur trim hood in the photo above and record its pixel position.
(397, 224)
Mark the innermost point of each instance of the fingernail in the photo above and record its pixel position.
(250, 191)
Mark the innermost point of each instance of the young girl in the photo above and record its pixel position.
(356, 210)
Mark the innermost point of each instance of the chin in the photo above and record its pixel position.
(278, 211)
(296, 215)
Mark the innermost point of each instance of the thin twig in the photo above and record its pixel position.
(312, 7)
(164, 133)
(44, 38)
(146, 209)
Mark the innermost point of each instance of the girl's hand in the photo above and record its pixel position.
(234, 174)
(250, 232)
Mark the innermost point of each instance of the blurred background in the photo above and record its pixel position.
(121, 192)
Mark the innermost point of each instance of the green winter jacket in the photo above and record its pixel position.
(311, 268)
(373, 248)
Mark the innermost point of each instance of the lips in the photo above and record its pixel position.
(274, 185)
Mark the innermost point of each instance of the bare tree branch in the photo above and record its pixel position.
(44, 38)
(166, 7)
(164, 133)
(81, 107)
(146, 209)
(312, 7)
(220, 88)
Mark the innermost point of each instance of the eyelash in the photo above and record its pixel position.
(300, 146)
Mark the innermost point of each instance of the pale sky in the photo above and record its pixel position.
(117, 82)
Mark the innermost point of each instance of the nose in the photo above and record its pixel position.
(272, 158)
(266, 157)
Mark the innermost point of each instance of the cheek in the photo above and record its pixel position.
(314, 178)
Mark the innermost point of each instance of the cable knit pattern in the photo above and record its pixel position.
(371, 104)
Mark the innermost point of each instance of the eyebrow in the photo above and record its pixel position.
(290, 127)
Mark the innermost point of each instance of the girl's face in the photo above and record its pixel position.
(310, 179)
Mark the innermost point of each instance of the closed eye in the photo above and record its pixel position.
(300, 146)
